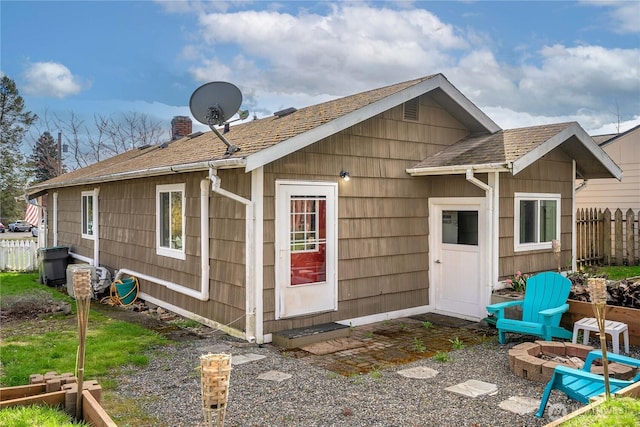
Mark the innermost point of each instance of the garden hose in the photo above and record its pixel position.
(128, 298)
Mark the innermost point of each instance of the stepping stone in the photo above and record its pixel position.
(245, 358)
(473, 388)
(420, 372)
(274, 376)
(520, 405)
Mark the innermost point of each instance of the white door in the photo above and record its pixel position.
(306, 241)
(456, 255)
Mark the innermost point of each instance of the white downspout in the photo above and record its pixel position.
(489, 223)
(257, 195)
(574, 226)
(96, 228)
(55, 219)
(250, 326)
(204, 240)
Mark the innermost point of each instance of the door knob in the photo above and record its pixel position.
(438, 261)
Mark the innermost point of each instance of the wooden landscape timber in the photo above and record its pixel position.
(59, 390)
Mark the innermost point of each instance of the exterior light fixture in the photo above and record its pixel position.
(345, 175)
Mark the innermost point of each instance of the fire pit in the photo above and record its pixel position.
(536, 360)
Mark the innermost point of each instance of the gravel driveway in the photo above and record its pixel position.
(169, 387)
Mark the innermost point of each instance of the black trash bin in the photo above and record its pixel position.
(53, 265)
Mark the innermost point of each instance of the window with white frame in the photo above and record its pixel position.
(87, 214)
(536, 220)
(170, 219)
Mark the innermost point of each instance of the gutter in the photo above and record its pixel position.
(460, 169)
(145, 173)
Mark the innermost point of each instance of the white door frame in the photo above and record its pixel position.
(283, 288)
(436, 205)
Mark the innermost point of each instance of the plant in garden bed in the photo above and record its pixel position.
(616, 412)
(518, 282)
(418, 346)
(36, 416)
(457, 343)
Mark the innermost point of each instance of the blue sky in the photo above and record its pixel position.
(522, 63)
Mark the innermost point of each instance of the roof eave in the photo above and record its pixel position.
(458, 169)
(309, 137)
(142, 173)
(555, 141)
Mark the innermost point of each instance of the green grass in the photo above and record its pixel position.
(615, 412)
(441, 356)
(614, 272)
(36, 416)
(457, 344)
(50, 344)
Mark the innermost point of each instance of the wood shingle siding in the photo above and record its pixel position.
(383, 212)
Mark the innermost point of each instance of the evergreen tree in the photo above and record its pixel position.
(14, 123)
(44, 160)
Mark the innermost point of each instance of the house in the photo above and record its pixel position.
(624, 149)
(441, 204)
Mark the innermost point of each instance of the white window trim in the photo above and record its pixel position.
(519, 247)
(161, 250)
(84, 194)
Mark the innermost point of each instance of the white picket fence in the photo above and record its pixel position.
(18, 255)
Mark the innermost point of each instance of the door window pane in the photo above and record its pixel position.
(308, 239)
(460, 227)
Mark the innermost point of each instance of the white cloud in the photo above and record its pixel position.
(281, 59)
(624, 14)
(50, 79)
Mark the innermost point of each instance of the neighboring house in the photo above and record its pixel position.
(441, 205)
(624, 149)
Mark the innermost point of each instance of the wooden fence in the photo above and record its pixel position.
(18, 255)
(604, 239)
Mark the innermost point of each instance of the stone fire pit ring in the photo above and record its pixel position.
(525, 360)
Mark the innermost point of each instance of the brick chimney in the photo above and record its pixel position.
(181, 126)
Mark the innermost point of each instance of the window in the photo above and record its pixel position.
(170, 220)
(536, 221)
(460, 227)
(87, 214)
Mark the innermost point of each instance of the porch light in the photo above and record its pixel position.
(345, 175)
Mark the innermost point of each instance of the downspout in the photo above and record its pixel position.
(489, 220)
(55, 219)
(204, 240)
(96, 228)
(250, 327)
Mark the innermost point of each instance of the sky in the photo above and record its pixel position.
(522, 63)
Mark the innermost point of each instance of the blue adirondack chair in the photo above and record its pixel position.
(545, 300)
(581, 384)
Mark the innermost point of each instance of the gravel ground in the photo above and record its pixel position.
(170, 388)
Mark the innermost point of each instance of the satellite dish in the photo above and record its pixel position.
(213, 104)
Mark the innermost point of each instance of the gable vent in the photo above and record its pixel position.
(411, 109)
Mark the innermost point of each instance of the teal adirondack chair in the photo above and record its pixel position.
(545, 300)
(581, 384)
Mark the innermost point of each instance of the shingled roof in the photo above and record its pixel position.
(512, 150)
(264, 140)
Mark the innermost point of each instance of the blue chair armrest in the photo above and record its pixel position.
(553, 311)
(498, 309)
(611, 357)
(577, 373)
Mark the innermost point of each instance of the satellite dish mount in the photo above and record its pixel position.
(213, 104)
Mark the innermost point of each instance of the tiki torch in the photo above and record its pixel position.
(598, 293)
(555, 248)
(82, 292)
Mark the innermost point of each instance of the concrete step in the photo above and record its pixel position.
(300, 337)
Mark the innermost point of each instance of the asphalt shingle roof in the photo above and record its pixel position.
(501, 147)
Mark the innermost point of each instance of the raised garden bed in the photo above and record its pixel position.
(59, 390)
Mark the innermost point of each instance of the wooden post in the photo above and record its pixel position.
(631, 244)
(606, 236)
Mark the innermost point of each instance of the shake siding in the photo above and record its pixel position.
(551, 174)
(382, 211)
(128, 240)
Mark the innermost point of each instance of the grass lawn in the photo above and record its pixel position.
(49, 342)
(615, 272)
